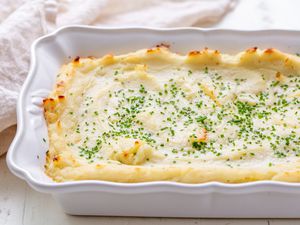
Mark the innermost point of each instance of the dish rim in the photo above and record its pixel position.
(154, 186)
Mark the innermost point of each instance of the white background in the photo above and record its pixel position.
(20, 205)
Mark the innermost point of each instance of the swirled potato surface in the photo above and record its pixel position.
(154, 115)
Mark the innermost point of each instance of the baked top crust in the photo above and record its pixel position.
(154, 115)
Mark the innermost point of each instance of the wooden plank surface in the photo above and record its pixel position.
(21, 205)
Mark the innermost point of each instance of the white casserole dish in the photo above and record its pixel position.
(26, 156)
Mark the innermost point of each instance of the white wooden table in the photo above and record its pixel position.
(20, 205)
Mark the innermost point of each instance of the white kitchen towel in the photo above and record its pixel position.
(22, 21)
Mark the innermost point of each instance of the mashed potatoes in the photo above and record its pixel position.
(154, 115)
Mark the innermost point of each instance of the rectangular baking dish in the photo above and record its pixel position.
(26, 155)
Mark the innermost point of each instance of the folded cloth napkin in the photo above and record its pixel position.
(22, 21)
